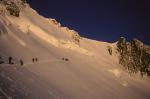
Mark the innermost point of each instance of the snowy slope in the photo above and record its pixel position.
(90, 73)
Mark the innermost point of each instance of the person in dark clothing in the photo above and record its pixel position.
(1, 60)
(63, 59)
(10, 60)
(36, 59)
(33, 60)
(66, 59)
(21, 62)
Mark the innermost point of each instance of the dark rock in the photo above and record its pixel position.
(134, 56)
(76, 36)
(110, 50)
(24, 1)
(13, 6)
(13, 9)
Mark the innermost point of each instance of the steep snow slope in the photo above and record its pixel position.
(90, 73)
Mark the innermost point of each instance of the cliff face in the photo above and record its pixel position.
(13, 7)
(134, 56)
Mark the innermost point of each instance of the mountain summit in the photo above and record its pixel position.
(41, 59)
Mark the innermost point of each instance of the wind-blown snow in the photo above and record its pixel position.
(28, 27)
(19, 40)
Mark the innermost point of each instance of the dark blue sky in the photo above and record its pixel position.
(104, 20)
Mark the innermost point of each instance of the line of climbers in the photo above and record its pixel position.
(11, 60)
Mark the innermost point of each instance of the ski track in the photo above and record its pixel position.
(31, 63)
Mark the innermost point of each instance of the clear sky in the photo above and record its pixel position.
(104, 20)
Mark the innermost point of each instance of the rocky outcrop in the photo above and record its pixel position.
(13, 9)
(24, 1)
(109, 50)
(134, 56)
(12, 6)
(76, 36)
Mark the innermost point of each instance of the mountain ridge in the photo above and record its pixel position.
(71, 40)
(40, 59)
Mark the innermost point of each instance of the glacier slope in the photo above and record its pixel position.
(90, 73)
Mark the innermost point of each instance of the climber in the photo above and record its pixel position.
(21, 62)
(66, 59)
(36, 59)
(63, 59)
(33, 60)
(1, 60)
(10, 60)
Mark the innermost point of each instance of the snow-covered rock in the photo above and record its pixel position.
(58, 63)
(134, 55)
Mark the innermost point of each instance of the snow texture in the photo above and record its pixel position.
(65, 69)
